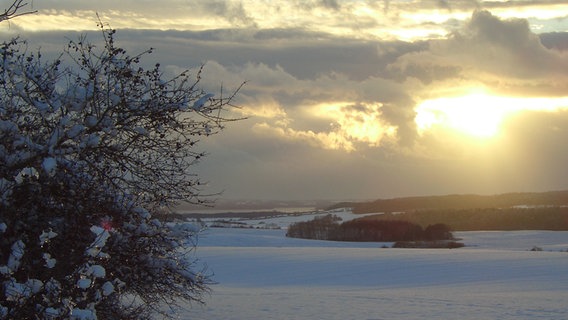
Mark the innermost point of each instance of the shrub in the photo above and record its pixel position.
(90, 147)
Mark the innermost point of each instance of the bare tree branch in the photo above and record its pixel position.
(12, 11)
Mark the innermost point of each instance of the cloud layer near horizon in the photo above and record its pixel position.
(333, 89)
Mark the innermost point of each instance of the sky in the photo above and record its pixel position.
(352, 99)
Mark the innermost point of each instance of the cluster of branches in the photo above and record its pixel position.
(91, 145)
(15, 10)
(328, 228)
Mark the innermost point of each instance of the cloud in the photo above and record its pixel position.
(488, 50)
(233, 11)
(503, 55)
(514, 48)
(368, 20)
(331, 95)
(555, 40)
(290, 71)
(331, 112)
(332, 4)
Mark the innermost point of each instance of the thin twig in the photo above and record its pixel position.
(12, 11)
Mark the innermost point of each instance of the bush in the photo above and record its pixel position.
(90, 147)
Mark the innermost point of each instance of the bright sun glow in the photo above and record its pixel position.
(478, 114)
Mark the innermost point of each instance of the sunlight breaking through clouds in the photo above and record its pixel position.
(478, 114)
(349, 125)
(380, 91)
(361, 123)
(324, 140)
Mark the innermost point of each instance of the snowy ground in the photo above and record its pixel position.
(261, 274)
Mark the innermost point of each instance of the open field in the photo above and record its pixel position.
(261, 274)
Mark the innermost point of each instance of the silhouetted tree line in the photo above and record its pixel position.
(516, 218)
(467, 201)
(319, 228)
(329, 228)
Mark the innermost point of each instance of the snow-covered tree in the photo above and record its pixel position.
(92, 145)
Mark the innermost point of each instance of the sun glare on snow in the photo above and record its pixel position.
(477, 114)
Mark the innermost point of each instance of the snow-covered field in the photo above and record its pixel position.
(261, 274)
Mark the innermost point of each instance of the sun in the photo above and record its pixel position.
(476, 114)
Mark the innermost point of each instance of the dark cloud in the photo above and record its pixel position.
(459, 4)
(444, 4)
(555, 40)
(514, 33)
(425, 71)
(234, 12)
(486, 49)
(303, 54)
(331, 4)
(310, 5)
(402, 115)
(520, 4)
(507, 47)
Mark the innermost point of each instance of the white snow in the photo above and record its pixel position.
(261, 274)
(101, 238)
(84, 283)
(91, 121)
(26, 173)
(49, 261)
(16, 255)
(75, 131)
(35, 285)
(141, 131)
(5, 190)
(97, 271)
(142, 212)
(285, 219)
(197, 105)
(51, 313)
(15, 291)
(83, 314)
(46, 236)
(92, 140)
(108, 288)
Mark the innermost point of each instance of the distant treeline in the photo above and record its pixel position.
(329, 228)
(516, 218)
(553, 198)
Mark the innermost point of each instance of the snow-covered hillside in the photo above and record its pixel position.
(278, 221)
(261, 274)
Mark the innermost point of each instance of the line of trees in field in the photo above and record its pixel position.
(329, 228)
(516, 218)
(458, 201)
